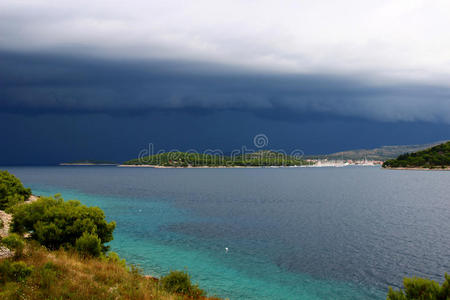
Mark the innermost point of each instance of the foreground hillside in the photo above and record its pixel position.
(434, 157)
(43, 274)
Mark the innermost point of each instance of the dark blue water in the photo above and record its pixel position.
(294, 233)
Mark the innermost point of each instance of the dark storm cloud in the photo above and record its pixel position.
(47, 84)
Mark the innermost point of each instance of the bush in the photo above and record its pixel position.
(48, 274)
(180, 282)
(89, 245)
(56, 223)
(14, 271)
(14, 242)
(11, 190)
(113, 257)
(421, 289)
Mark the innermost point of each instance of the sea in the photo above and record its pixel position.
(269, 233)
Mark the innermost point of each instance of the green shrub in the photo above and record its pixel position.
(14, 242)
(89, 245)
(114, 258)
(11, 190)
(48, 274)
(421, 289)
(56, 223)
(51, 266)
(14, 271)
(12, 200)
(180, 282)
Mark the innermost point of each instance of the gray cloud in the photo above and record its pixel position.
(401, 41)
(42, 84)
(107, 77)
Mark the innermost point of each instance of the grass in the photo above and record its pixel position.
(67, 275)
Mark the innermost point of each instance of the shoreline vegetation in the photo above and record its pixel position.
(417, 169)
(434, 158)
(55, 249)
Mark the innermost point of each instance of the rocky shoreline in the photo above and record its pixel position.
(4, 230)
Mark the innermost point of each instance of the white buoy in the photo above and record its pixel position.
(226, 249)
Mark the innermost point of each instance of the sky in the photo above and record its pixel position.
(105, 79)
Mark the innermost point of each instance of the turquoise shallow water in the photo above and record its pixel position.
(291, 233)
(138, 239)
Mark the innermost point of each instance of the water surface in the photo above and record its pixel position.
(292, 233)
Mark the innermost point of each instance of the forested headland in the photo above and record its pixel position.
(437, 157)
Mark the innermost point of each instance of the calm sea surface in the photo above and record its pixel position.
(292, 233)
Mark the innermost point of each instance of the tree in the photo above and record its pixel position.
(54, 222)
(11, 190)
(89, 245)
(421, 289)
(180, 282)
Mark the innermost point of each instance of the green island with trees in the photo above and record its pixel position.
(263, 158)
(437, 157)
(57, 251)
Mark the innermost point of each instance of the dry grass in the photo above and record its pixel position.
(65, 275)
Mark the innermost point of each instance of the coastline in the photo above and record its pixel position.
(241, 167)
(417, 169)
(6, 219)
(204, 167)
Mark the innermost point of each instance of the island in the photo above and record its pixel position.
(263, 158)
(89, 162)
(434, 158)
